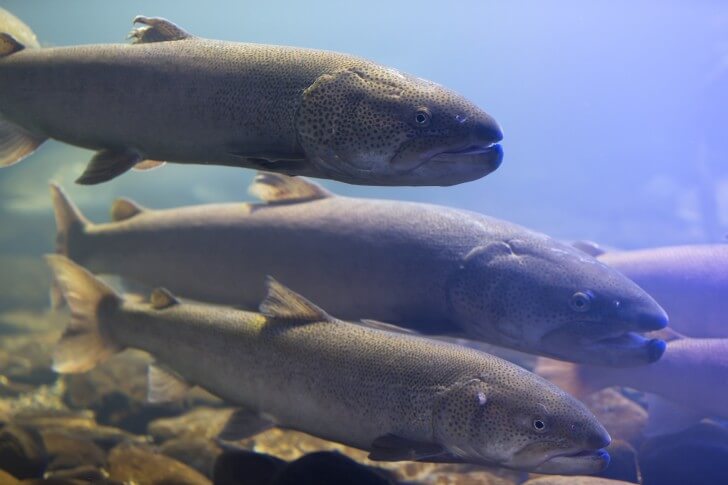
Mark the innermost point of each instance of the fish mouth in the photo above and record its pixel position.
(489, 155)
(585, 462)
(580, 343)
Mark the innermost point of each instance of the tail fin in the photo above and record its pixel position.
(69, 222)
(84, 342)
(16, 143)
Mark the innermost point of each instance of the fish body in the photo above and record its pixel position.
(436, 269)
(690, 283)
(292, 365)
(171, 96)
(690, 382)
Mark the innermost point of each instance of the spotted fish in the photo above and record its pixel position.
(436, 269)
(172, 96)
(402, 397)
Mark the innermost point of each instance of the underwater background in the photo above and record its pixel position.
(615, 117)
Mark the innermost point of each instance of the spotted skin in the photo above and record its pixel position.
(343, 381)
(435, 269)
(293, 110)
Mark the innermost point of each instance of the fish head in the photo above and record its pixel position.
(376, 126)
(518, 420)
(543, 297)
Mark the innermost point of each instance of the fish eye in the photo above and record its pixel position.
(422, 117)
(581, 301)
(539, 425)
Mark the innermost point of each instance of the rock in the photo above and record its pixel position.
(242, 467)
(9, 388)
(623, 462)
(85, 473)
(67, 451)
(8, 479)
(697, 455)
(26, 343)
(21, 452)
(464, 477)
(574, 480)
(58, 481)
(198, 453)
(330, 468)
(623, 418)
(80, 425)
(116, 392)
(202, 422)
(291, 445)
(140, 464)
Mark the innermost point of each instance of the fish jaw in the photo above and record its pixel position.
(587, 458)
(582, 463)
(471, 155)
(585, 343)
(615, 340)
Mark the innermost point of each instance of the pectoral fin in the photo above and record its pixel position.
(276, 187)
(9, 44)
(165, 385)
(244, 423)
(16, 143)
(285, 163)
(391, 447)
(146, 165)
(156, 29)
(108, 164)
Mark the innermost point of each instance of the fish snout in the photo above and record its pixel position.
(486, 130)
(598, 438)
(650, 320)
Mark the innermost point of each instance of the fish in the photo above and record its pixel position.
(687, 281)
(689, 382)
(438, 270)
(172, 96)
(398, 396)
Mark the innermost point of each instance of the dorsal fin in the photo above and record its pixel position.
(276, 187)
(9, 45)
(156, 29)
(162, 298)
(284, 304)
(123, 209)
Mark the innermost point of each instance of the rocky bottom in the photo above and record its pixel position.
(96, 427)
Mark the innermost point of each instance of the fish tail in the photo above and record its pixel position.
(70, 225)
(16, 142)
(92, 303)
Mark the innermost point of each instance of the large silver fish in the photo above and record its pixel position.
(435, 269)
(176, 97)
(400, 396)
(690, 282)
